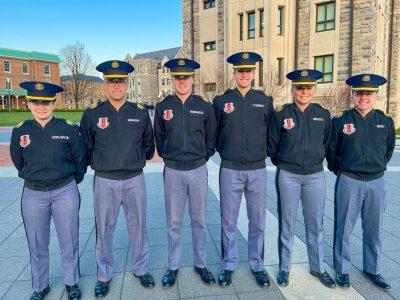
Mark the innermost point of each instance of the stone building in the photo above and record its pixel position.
(92, 92)
(340, 38)
(150, 81)
(17, 66)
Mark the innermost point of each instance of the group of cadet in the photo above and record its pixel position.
(117, 137)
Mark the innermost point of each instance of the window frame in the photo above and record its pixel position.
(324, 57)
(281, 21)
(261, 26)
(241, 27)
(44, 70)
(212, 44)
(252, 30)
(325, 21)
(4, 66)
(27, 67)
(207, 4)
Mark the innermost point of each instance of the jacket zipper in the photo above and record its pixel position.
(183, 127)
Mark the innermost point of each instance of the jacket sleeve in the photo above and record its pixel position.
(269, 111)
(210, 132)
(217, 115)
(333, 148)
(159, 131)
(148, 138)
(328, 131)
(273, 137)
(87, 135)
(391, 141)
(78, 153)
(16, 151)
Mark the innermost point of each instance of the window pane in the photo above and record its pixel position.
(319, 64)
(330, 25)
(321, 27)
(330, 13)
(328, 64)
(251, 25)
(320, 13)
(327, 78)
(279, 21)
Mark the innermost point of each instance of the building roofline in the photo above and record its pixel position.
(29, 55)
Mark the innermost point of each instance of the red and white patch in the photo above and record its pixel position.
(228, 108)
(25, 140)
(288, 123)
(168, 114)
(103, 123)
(349, 129)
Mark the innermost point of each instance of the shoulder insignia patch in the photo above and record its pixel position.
(140, 106)
(20, 124)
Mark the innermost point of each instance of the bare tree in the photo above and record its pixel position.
(77, 64)
(213, 81)
(335, 97)
(277, 87)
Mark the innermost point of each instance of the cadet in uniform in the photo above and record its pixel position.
(49, 155)
(119, 139)
(362, 143)
(185, 130)
(243, 115)
(297, 143)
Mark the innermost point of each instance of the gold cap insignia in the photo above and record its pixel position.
(304, 73)
(115, 64)
(366, 78)
(245, 55)
(181, 62)
(39, 86)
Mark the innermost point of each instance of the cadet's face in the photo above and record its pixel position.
(116, 88)
(243, 78)
(41, 111)
(364, 101)
(303, 95)
(183, 86)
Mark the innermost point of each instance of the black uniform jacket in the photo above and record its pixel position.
(297, 140)
(185, 132)
(361, 147)
(48, 157)
(118, 142)
(242, 123)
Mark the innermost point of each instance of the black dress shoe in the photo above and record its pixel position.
(101, 288)
(40, 295)
(283, 278)
(378, 280)
(146, 280)
(74, 293)
(206, 276)
(261, 278)
(225, 278)
(169, 278)
(325, 279)
(343, 280)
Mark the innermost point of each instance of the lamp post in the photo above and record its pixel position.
(9, 93)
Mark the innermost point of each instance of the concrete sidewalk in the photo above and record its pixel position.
(15, 282)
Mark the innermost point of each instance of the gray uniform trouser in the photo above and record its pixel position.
(37, 209)
(352, 197)
(108, 196)
(310, 190)
(180, 186)
(232, 185)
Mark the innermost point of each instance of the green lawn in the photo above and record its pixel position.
(13, 118)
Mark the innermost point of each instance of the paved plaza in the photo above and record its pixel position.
(15, 281)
